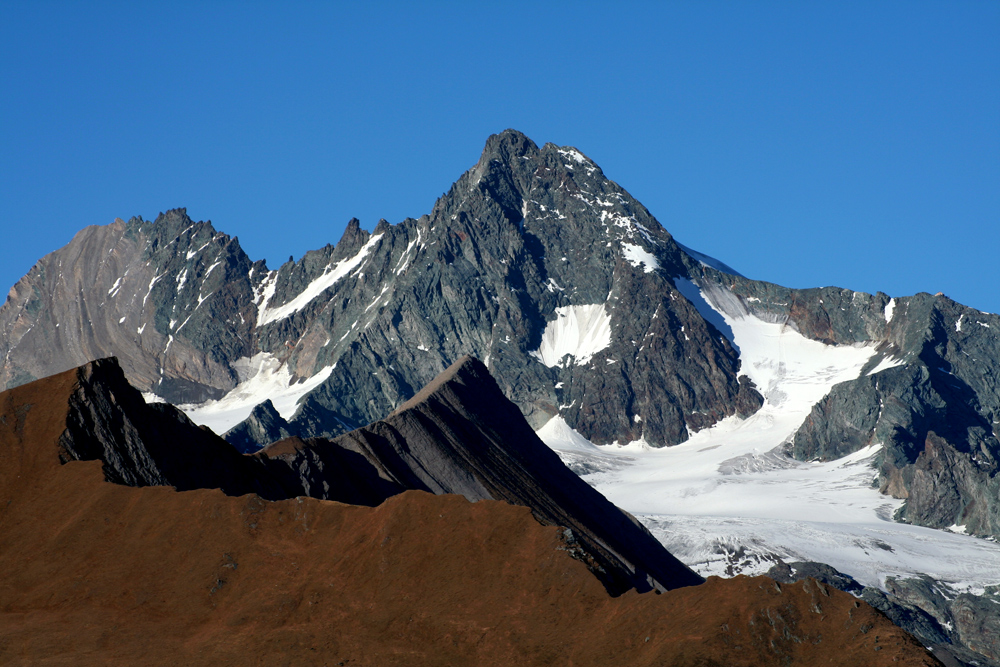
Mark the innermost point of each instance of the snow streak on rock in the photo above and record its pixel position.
(331, 275)
(637, 256)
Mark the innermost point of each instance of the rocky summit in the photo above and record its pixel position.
(533, 262)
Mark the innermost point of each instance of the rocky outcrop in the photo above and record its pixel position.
(149, 445)
(960, 628)
(264, 425)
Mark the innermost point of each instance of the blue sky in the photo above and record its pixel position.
(805, 143)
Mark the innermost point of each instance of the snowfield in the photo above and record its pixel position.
(263, 377)
(729, 501)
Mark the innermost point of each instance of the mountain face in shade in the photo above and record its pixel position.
(459, 435)
(99, 573)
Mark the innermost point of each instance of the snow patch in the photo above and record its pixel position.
(574, 155)
(889, 308)
(375, 300)
(191, 253)
(150, 289)
(404, 260)
(263, 377)
(637, 256)
(210, 269)
(886, 364)
(580, 331)
(558, 435)
(331, 274)
(265, 292)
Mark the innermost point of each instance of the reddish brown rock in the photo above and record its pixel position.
(104, 574)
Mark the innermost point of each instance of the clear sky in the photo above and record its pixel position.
(804, 143)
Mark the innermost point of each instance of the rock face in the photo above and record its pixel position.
(98, 573)
(459, 435)
(148, 445)
(264, 425)
(173, 299)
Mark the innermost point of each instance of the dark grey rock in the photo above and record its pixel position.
(261, 428)
(787, 573)
(148, 445)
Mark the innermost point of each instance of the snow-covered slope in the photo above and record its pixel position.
(729, 500)
(265, 379)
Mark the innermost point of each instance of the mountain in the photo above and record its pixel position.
(102, 572)
(577, 299)
(752, 420)
(533, 255)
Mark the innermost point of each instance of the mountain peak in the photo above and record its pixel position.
(507, 144)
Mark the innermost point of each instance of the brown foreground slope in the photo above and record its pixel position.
(97, 573)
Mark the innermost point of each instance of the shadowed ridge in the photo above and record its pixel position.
(149, 445)
(460, 434)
